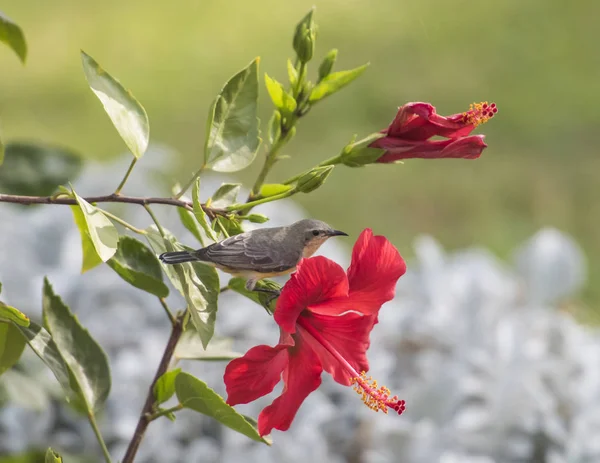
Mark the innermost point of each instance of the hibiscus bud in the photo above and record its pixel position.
(313, 179)
(257, 218)
(357, 154)
(305, 37)
(327, 64)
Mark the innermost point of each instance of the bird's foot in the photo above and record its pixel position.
(272, 294)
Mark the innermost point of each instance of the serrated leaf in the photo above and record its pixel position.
(14, 315)
(260, 297)
(198, 284)
(86, 361)
(36, 169)
(199, 212)
(12, 35)
(138, 266)
(45, 348)
(272, 189)
(280, 98)
(190, 347)
(292, 73)
(98, 228)
(196, 395)
(233, 128)
(11, 345)
(226, 195)
(164, 388)
(125, 112)
(335, 82)
(52, 456)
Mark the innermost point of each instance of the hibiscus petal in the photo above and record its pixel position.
(316, 279)
(348, 335)
(255, 374)
(301, 377)
(397, 149)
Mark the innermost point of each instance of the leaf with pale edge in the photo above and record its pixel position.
(11, 345)
(12, 35)
(233, 126)
(226, 195)
(98, 229)
(199, 212)
(52, 457)
(164, 388)
(189, 347)
(198, 284)
(89, 256)
(126, 113)
(196, 395)
(335, 82)
(138, 266)
(14, 315)
(87, 364)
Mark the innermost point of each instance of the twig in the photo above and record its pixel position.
(127, 174)
(144, 420)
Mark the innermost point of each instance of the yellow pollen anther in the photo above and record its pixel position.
(376, 397)
(479, 113)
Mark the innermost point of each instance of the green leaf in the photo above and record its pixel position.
(86, 361)
(164, 388)
(138, 266)
(36, 169)
(199, 212)
(100, 231)
(233, 127)
(292, 73)
(12, 35)
(335, 82)
(272, 189)
(281, 99)
(190, 223)
(126, 113)
(43, 345)
(274, 127)
(90, 257)
(52, 456)
(198, 284)
(226, 195)
(11, 345)
(14, 315)
(190, 347)
(231, 225)
(261, 298)
(196, 395)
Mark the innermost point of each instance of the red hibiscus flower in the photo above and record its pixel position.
(325, 318)
(408, 136)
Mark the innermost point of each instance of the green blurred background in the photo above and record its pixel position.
(537, 60)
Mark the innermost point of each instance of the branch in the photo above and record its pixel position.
(146, 414)
(113, 198)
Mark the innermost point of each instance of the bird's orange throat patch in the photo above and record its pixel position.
(313, 246)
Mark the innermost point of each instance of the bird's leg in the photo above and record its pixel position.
(273, 293)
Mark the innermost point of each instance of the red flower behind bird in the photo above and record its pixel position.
(409, 134)
(325, 318)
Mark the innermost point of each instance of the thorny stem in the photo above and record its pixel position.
(147, 410)
(92, 420)
(127, 174)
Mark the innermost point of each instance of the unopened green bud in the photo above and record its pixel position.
(327, 64)
(305, 37)
(358, 153)
(313, 179)
(257, 218)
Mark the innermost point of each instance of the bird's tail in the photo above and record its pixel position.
(177, 257)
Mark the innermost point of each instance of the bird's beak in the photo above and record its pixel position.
(337, 233)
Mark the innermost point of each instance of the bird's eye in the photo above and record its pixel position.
(315, 232)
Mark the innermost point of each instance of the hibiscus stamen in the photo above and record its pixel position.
(479, 113)
(377, 397)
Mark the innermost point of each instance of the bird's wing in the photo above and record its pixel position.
(247, 252)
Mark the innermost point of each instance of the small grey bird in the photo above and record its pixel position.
(260, 253)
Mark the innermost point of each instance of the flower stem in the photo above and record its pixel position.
(92, 420)
(127, 174)
(190, 183)
(139, 231)
(328, 162)
(267, 166)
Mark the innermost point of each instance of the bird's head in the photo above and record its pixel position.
(314, 233)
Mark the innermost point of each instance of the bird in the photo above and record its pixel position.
(260, 253)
